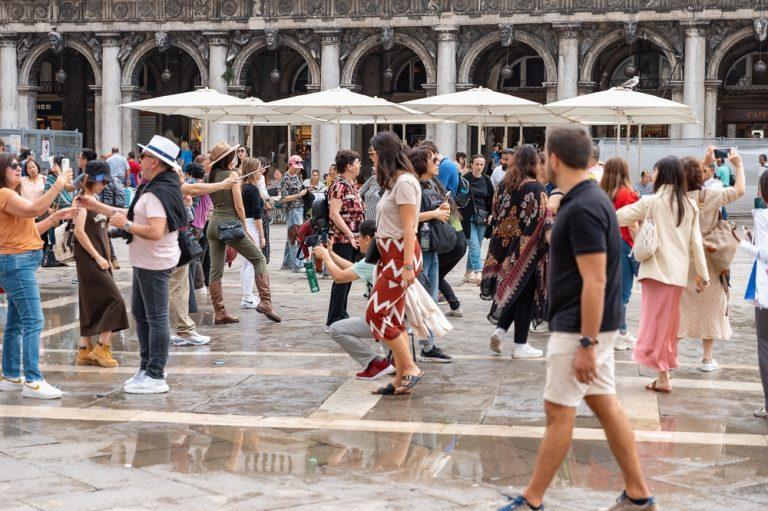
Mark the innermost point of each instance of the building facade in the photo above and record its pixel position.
(69, 64)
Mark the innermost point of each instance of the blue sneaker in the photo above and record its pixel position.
(518, 504)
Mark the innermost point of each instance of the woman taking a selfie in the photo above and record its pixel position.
(20, 256)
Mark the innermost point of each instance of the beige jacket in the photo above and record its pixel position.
(678, 244)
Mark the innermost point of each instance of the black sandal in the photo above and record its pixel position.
(408, 382)
(389, 390)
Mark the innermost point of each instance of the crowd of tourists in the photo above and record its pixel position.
(568, 237)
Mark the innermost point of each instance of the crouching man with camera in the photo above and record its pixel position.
(353, 334)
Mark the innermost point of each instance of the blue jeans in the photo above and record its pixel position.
(149, 303)
(628, 272)
(474, 242)
(431, 272)
(291, 261)
(21, 339)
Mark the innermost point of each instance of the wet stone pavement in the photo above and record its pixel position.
(269, 416)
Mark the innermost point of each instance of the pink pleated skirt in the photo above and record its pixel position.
(656, 346)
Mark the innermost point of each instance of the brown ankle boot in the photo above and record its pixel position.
(101, 356)
(265, 295)
(221, 316)
(83, 356)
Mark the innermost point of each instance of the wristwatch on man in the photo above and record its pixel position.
(127, 226)
(586, 342)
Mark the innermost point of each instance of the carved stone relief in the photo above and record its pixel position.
(237, 40)
(127, 44)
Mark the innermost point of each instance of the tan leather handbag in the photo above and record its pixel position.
(721, 243)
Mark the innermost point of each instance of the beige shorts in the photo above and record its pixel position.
(562, 387)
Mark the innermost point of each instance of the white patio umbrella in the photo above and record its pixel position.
(204, 104)
(338, 104)
(623, 106)
(482, 107)
(253, 113)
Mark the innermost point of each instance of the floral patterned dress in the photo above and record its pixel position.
(518, 250)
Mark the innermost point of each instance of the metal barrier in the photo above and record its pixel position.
(66, 143)
(654, 149)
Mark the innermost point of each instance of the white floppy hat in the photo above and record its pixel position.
(162, 149)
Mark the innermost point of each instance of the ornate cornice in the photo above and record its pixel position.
(218, 11)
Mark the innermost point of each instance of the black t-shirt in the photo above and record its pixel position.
(252, 202)
(586, 223)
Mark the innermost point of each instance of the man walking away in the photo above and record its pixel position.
(584, 316)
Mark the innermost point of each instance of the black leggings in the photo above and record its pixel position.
(521, 312)
(337, 308)
(447, 262)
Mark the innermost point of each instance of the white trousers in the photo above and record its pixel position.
(247, 275)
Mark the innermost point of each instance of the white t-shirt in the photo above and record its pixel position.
(162, 254)
(497, 176)
(713, 184)
(596, 172)
(406, 190)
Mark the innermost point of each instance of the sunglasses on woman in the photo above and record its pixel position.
(15, 166)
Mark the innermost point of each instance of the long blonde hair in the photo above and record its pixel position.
(615, 176)
(254, 167)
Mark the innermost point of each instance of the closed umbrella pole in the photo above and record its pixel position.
(506, 127)
(403, 126)
(618, 139)
(639, 146)
(290, 139)
(629, 130)
(250, 135)
(521, 140)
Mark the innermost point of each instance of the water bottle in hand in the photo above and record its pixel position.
(314, 287)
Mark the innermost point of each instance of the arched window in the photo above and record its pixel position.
(526, 72)
(300, 80)
(741, 74)
(652, 68)
(412, 77)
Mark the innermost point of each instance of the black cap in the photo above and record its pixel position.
(97, 171)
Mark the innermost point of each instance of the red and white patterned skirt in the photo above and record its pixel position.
(386, 307)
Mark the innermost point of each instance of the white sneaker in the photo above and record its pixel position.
(40, 390)
(526, 351)
(456, 313)
(178, 340)
(203, 291)
(625, 342)
(469, 277)
(708, 367)
(11, 384)
(138, 375)
(496, 339)
(248, 303)
(477, 278)
(147, 385)
(198, 340)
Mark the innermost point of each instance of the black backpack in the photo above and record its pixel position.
(463, 193)
(320, 214)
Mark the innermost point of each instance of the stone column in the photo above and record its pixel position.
(694, 72)
(111, 96)
(9, 114)
(447, 42)
(710, 107)
(217, 67)
(552, 91)
(130, 120)
(27, 106)
(676, 87)
(330, 77)
(96, 89)
(567, 60)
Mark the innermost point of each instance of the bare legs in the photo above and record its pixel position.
(552, 452)
(557, 440)
(402, 355)
(708, 345)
